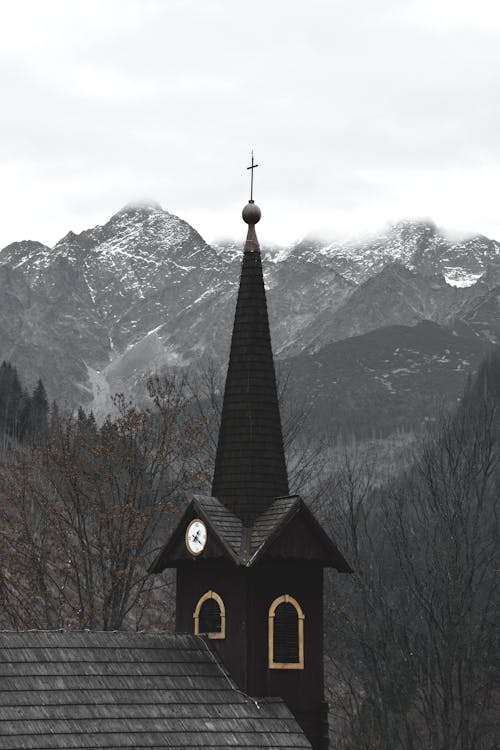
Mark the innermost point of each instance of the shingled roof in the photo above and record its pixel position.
(246, 545)
(129, 690)
(250, 469)
(271, 521)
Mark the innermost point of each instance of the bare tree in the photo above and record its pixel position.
(445, 541)
(305, 448)
(412, 635)
(82, 514)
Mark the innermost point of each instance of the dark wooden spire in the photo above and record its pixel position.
(250, 469)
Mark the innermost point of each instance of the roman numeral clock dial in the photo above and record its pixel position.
(196, 537)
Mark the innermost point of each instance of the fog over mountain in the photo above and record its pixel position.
(100, 310)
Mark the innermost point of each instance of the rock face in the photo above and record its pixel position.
(419, 245)
(98, 311)
(110, 289)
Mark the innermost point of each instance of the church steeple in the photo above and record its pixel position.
(250, 558)
(250, 469)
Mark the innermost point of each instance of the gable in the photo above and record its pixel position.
(298, 540)
(269, 522)
(178, 552)
(287, 529)
(300, 536)
(223, 538)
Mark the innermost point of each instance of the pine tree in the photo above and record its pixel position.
(39, 413)
(11, 394)
(54, 417)
(487, 381)
(25, 417)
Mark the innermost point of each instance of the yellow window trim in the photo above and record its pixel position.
(196, 615)
(272, 610)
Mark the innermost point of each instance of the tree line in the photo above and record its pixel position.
(24, 417)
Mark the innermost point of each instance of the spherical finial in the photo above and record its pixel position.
(251, 213)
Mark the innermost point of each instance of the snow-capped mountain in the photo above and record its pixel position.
(102, 308)
(116, 266)
(418, 245)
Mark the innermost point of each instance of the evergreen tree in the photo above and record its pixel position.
(11, 394)
(54, 417)
(25, 418)
(39, 413)
(487, 380)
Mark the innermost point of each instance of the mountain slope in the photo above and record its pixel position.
(397, 377)
(394, 295)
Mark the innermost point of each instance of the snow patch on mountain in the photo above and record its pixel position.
(459, 277)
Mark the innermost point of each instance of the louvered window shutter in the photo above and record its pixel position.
(210, 617)
(286, 634)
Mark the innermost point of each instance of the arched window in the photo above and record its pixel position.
(210, 616)
(286, 634)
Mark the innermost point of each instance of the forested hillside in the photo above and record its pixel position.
(411, 635)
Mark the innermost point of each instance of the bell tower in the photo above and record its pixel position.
(250, 557)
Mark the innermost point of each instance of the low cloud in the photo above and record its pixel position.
(359, 112)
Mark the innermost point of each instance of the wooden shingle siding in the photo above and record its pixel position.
(128, 690)
(272, 519)
(228, 526)
(250, 468)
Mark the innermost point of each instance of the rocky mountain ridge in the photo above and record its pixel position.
(102, 308)
(417, 244)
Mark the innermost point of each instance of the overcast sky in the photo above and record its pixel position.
(360, 112)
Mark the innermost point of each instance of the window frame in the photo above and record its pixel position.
(300, 625)
(196, 615)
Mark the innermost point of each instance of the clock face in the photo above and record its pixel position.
(196, 537)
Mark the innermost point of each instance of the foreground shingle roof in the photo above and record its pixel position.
(128, 690)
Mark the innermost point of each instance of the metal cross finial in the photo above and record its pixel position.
(252, 167)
